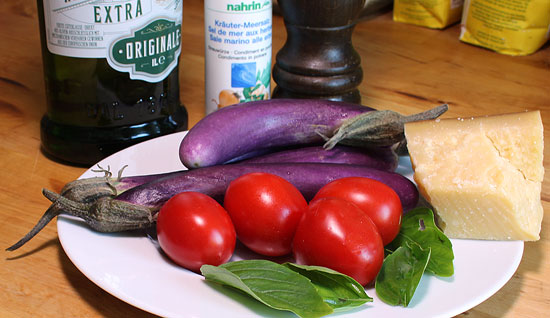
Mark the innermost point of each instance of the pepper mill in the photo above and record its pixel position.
(318, 59)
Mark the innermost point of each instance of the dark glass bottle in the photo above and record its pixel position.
(94, 110)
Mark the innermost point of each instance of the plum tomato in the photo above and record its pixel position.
(265, 210)
(335, 233)
(380, 202)
(193, 229)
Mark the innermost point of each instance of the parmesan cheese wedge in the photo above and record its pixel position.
(482, 175)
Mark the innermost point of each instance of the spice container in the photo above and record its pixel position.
(237, 51)
(111, 75)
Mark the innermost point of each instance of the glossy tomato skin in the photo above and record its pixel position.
(335, 233)
(193, 229)
(380, 202)
(265, 210)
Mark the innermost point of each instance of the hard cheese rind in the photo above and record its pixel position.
(482, 175)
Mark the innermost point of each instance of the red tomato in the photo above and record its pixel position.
(335, 233)
(379, 201)
(193, 230)
(265, 210)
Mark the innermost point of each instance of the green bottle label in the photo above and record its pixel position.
(140, 37)
(149, 52)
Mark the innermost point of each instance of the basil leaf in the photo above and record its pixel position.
(419, 226)
(401, 273)
(338, 290)
(273, 284)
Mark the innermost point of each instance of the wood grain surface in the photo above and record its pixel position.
(406, 69)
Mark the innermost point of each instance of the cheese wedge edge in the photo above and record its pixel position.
(482, 175)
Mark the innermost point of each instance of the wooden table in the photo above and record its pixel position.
(407, 69)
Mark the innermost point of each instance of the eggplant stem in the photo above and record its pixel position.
(103, 215)
(334, 140)
(107, 214)
(68, 206)
(107, 171)
(54, 210)
(50, 213)
(119, 177)
(108, 176)
(325, 138)
(428, 114)
(378, 128)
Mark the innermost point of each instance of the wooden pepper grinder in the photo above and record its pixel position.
(318, 59)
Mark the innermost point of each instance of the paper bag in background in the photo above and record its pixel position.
(513, 27)
(436, 14)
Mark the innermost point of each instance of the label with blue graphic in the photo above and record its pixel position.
(237, 51)
(243, 74)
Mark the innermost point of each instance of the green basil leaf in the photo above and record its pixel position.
(401, 273)
(273, 284)
(419, 226)
(338, 290)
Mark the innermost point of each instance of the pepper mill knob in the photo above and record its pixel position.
(318, 59)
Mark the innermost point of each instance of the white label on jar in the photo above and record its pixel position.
(237, 51)
(141, 37)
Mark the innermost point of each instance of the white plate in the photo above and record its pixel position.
(131, 268)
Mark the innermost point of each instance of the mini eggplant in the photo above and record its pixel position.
(136, 208)
(91, 190)
(236, 130)
(307, 177)
(383, 158)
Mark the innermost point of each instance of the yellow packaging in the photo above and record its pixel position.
(513, 27)
(436, 14)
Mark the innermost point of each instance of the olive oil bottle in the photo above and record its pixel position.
(111, 75)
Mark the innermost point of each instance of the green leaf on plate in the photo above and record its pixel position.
(401, 273)
(273, 284)
(418, 226)
(339, 291)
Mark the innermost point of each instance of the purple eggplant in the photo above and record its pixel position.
(137, 207)
(91, 190)
(383, 158)
(307, 177)
(236, 130)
